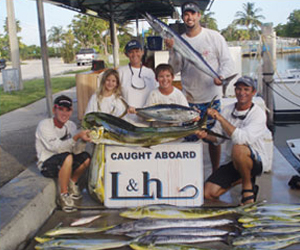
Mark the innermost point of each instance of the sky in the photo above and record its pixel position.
(274, 11)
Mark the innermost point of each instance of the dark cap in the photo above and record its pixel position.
(247, 80)
(190, 6)
(133, 44)
(63, 101)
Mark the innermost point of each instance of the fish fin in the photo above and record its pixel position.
(228, 79)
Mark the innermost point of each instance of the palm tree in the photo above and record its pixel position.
(208, 21)
(249, 17)
(55, 35)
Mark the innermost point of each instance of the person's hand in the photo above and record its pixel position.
(201, 134)
(131, 110)
(213, 113)
(84, 135)
(169, 42)
(218, 81)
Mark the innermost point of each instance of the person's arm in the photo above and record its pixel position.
(175, 59)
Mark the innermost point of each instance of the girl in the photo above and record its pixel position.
(107, 97)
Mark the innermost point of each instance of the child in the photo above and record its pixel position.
(166, 93)
(107, 97)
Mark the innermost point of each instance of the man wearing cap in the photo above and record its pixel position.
(56, 141)
(198, 87)
(245, 154)
(137, 80)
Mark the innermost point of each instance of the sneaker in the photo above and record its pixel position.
(67, 203)
(74, 191)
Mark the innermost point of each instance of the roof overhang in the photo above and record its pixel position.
(125, 10)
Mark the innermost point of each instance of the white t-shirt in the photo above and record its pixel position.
(251, 131)
(133, 96)
(49, 142)
(110, 105)
(136, 97)
(197, 86)
(176, 97)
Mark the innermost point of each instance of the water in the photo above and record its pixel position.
(282, 132)
(283, 62)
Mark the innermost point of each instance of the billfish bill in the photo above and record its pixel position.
(148, 224)
(75, 230)
(184, 48)
(168, 113)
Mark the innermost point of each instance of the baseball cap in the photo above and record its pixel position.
(247, 80)
(133, 44)
(63, 101)
(191, 6)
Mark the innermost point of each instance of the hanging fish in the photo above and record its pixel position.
(184, 48)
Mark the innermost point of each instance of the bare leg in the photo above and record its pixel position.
(65, 174)
(215, 155)
(80, 171)
(243, 163)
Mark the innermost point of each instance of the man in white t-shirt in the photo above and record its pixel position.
(56, 141)
(198, 87)
(245, 154)
(137, 81)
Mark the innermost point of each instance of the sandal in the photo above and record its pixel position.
(251, 197)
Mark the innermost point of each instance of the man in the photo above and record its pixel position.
(55, 143)
(137, 80)
(245, 154)
(198, 87)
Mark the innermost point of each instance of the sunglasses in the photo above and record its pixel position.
(241, 117)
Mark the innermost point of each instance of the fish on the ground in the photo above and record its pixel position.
(248, 219)
(177, 239)
(148, 224)
(274, 207)
(168, 212)
(190, 231)
(263, 223)
(75, 230)
(184, 48)
(83, 244)
(269, 245)
(108, 129)
(85, 220)
(272, 229)
(168, 113)
(139, 246)
(256, 238)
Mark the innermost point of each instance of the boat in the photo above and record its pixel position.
(294, 146)
(286, 94)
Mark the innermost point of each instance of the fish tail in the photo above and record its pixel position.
(126, 107)
(227, 80)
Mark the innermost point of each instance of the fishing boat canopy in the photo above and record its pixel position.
(125, 10)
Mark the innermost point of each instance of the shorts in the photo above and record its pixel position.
(52, 166)
(210, 121)
(226, 175)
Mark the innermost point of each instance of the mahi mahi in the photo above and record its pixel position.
(83, 244)
(184, 48)
(108, 129)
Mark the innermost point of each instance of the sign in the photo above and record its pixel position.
(163, 174)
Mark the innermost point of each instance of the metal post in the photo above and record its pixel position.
(13, 40)
(45, 60)
(114, 39)
(269, 64)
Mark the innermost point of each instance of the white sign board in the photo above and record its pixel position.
(163, 174)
